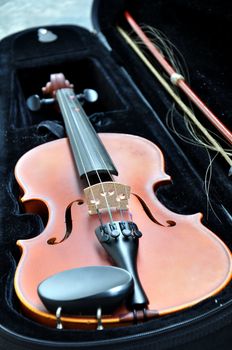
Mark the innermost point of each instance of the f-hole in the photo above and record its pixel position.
(170, 223)
(68, 222)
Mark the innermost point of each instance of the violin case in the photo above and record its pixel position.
(130, 101)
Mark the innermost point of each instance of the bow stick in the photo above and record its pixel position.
(178, 80)
(177, 77)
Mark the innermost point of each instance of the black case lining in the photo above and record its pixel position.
(26, 66)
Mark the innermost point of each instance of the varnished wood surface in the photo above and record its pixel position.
(178, 265)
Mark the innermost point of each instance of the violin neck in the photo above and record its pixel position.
(89, 153)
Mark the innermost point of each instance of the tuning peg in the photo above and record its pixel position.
(34, 102)
(88, 95)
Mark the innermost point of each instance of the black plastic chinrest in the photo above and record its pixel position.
(85, 289)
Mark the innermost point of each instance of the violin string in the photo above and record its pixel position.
(113, 182)
(63, 92)
(108, 207)
(61, 101)
(84, 126)
(107, 169)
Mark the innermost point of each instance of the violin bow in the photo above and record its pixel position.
(179, 81)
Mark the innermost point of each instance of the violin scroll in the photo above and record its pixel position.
(57, 81)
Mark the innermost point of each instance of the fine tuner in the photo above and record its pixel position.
(34, 102)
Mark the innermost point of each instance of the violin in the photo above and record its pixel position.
(103, 221)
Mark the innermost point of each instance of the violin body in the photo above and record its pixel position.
(180, 262)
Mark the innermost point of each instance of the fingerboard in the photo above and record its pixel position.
(88, 151)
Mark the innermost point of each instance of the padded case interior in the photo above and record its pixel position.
(130, 101)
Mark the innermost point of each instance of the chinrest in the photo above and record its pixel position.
(85, 289)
